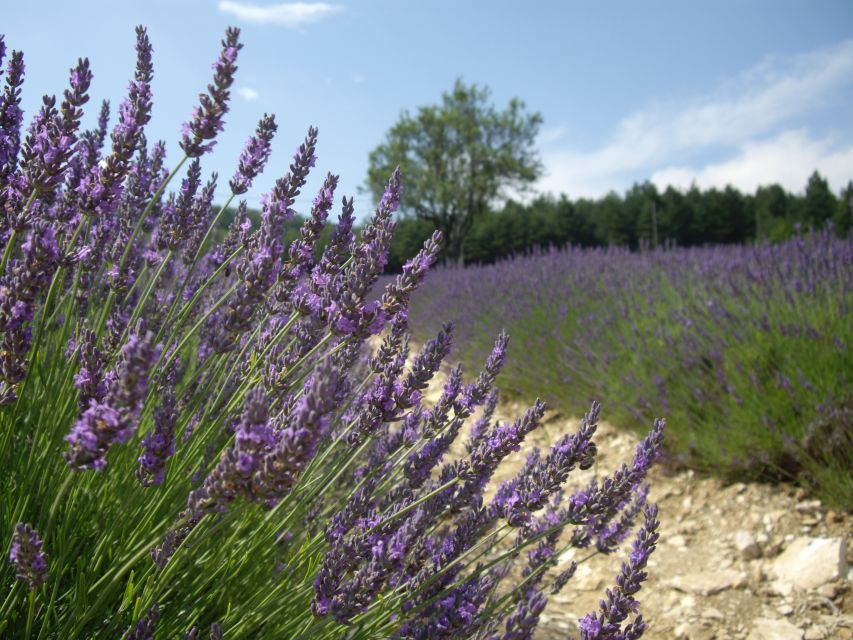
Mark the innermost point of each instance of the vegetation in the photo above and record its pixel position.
(643, 217)
(458, 158)
(748, 349)
(198, 437)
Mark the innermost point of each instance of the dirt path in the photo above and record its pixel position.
(741, 561)
(715, 574)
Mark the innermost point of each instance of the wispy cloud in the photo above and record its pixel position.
(665, 139)
(788, 158)
(289, 14)
(551, 135)
(248, 94)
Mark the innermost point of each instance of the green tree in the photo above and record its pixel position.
(819, 203)
(457, 159)
(843, 217)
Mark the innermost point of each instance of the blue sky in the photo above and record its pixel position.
(726, 92)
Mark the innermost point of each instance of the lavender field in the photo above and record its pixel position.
(748, 350)
(221, 435)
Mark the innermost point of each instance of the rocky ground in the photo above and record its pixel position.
(735, 561)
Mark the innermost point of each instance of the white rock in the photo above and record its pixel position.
(781, 588)
(677, 541)
(710, 613)
(707, 583)
(815, 632)
(785, 609)
(767, 629)
(747, 546)
(808, 563)
(808, 506)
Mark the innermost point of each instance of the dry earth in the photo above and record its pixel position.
(737, 561)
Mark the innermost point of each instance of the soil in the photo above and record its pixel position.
(706, 581)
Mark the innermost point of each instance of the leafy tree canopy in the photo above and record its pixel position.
(458, 158)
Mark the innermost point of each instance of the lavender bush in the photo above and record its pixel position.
(196, 437)
(749, 349)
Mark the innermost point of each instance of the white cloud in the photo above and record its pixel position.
(551, 135)
(357, 78)
(731, 119)
(788, 158)
(289, 14)
(248, 94)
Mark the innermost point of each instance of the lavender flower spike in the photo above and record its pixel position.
(27, 557)
(11, 116)
(198, 136)
(113, 420)
(620, 602)
(254, 156)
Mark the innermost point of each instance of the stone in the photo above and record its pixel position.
(829, 590)
(808, 506)
(808, 563)
(785, 609)
(815, 632)
(747, 546)
(710, 613)
(677, 541)
(707, 583)
(781, 588)
(770, 629)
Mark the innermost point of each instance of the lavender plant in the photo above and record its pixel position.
(749, 349)
(207, 432)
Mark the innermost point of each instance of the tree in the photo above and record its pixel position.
(819, 203)
(844, 211)
(457, 159)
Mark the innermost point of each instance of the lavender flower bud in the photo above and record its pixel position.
(198, 135)
(146, 627)
(100, 189)
(620, 603)
(27, 557)
(11, 117)
(113, 420)
(159, 445)
(254, 156)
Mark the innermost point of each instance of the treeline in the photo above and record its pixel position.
(642, 217)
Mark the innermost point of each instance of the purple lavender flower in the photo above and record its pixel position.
(521, 623)
(396, 295)
(19, 290)
(620, 603)
(53, 133)
(301, 250)
(159, 445)
(11, 116)
(261, 265)
(254, 156)
(485, 458)
(350, 314)
(146, 627)
(27, 557)
(114, 420)
(90, 380)
(298, 441)
(198, 135)
(101, 187)
(174, 227)
(539, 479)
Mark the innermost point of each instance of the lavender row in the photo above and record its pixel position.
(748, 349)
